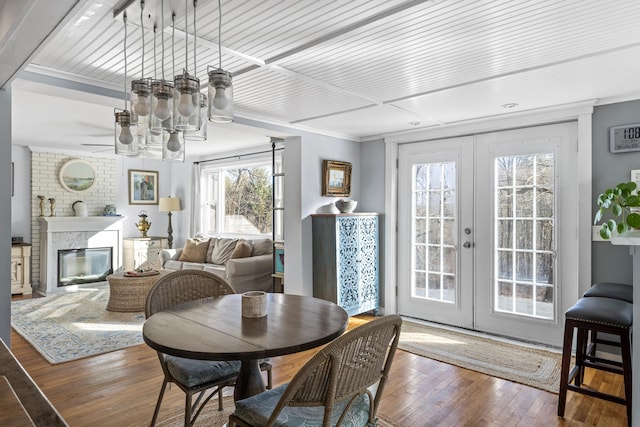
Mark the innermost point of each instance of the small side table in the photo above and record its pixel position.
(127, 294)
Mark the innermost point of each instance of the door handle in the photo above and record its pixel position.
(466, 245)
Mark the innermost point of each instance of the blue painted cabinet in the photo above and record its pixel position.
(345, 260)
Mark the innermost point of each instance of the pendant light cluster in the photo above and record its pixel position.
(165, 113)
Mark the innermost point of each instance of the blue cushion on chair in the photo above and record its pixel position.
(257, 409)
(192, 372)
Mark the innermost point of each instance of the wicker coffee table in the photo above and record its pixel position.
(130, 293)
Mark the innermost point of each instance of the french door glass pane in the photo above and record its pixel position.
(524, 247)
(433, 231)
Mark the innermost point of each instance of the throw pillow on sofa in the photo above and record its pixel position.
(194, 250)
(222, 249)
(243, 249)
(262, 247)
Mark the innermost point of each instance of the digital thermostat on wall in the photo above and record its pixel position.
(624, 138)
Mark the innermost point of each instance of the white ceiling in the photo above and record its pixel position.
(358, 69)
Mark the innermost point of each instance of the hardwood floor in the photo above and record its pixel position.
(121, 388)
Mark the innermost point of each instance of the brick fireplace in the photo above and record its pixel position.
(62, 233)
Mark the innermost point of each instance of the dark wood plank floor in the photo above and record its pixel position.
(121, 388)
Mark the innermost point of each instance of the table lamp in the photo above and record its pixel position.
(169, 204)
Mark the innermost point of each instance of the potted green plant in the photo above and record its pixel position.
(619, 201)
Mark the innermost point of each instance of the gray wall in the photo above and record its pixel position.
(609, 262)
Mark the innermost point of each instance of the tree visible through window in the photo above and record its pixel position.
(237, 199)
(248, 200)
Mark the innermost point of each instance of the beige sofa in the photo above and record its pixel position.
(250, 272)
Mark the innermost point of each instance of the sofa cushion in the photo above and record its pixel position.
(194, 250)
(243, 249)
(262, 247)
(222, 250)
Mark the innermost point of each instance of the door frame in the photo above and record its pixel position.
(580, 112)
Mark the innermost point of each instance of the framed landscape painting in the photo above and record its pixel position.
(143, 187)
(336, 178)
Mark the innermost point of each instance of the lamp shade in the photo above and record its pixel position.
(169, 204)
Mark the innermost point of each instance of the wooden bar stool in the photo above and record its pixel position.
(596, 314)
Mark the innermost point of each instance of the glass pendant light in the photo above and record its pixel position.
(173, 146)
(126, 142)
(220, 85)
(187, 87)
(141, 88)
(200, 122)
(161, 96)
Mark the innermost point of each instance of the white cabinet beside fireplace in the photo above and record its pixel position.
(143, 252)
(20, 269)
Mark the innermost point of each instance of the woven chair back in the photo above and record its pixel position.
(354, 364)
(182, 286)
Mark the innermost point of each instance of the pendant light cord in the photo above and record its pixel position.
(173, 43)
(195, 69)
(162, 25)
(142, 26)
(219, 35)
(186, 38)
(124, 18)
(155, 62)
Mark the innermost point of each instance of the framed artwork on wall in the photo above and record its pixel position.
(336, 180)
(143, 187)
(77, 175)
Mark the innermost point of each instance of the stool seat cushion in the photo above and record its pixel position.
(621, 291)
(606, 311)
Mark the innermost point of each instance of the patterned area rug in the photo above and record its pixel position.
(519, 363)
(211, 417)
(71, 325)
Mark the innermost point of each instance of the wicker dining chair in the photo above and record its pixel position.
(193, 376)
(341, 385)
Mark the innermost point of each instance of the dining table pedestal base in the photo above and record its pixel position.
(249, 381)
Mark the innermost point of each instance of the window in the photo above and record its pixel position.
(237, 198)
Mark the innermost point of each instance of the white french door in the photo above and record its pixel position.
(435, 212)
(487, 231)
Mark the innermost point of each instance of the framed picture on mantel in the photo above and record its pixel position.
(143, 187)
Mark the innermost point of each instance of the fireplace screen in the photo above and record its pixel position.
(87, 265)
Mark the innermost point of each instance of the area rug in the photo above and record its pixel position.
(519, 363)
(71, 325)
(211, 417)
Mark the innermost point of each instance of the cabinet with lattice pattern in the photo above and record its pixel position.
(346, 260)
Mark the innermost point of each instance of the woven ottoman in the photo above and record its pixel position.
(130, 293)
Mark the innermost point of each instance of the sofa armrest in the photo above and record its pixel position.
(261, 264)
(167, 254)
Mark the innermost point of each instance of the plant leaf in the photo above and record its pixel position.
(616, 209)
(622, 227)
(634, 220)
(605, 233)
(598, 216)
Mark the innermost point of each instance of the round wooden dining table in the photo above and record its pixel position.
(214, 329)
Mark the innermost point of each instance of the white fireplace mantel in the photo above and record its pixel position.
(58, 224)
(74, 232)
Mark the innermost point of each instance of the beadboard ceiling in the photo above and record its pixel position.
(357, 69)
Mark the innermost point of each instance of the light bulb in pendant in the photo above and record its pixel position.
(220, 99)
(142, 106)
(174, 143)
(185, 107)
(162, 109)
(125, 137)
